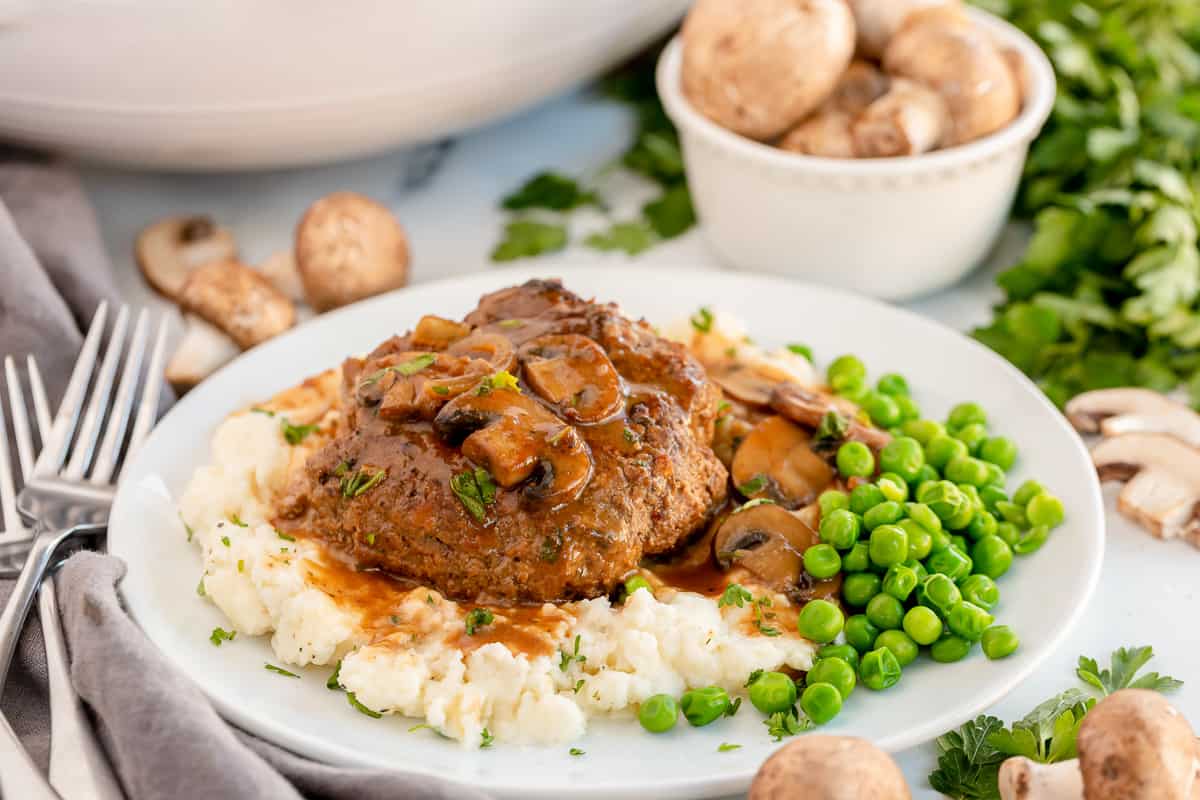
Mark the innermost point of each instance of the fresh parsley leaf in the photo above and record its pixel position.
(236, 520)
(526, 238)
(575, 751)
(486, 739)
(734, 595)
(753, 486)
(476, 490)
(726, 747)
(1122, 672)
(786, 723)
(702, 320)
(478, 618)
(284, 536)
(550, 190)
(225, 541)
(279, 671)
(295, 434)
(967, 763)
(672, 213)
(630, 238)
(360, 482)
(801, 350)
(200, 588)
(359, 707)
(832, 427)
(220, 635)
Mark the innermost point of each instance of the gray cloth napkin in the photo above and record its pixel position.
(164, 738)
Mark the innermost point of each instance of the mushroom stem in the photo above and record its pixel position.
(1023, 779)
(203, 350)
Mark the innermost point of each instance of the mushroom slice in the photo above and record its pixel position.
(437, 333)
(767, 540)
(237, 300)
(1162, 493)
(492, 348)
(829, 767)
(203, 350)
(349, 247)
(573, 373)
(517, 438)
(776, 460)
(1113, 412)
(171, 248)
(806, 407)
(280, 270)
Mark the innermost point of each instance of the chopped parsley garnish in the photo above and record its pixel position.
(630, 435)
(284, 536)
(200, 588)
(334, 684)
(476, 490)
(360, 482)
(723, 408)
(478, 618)
(551, 547)
(236, 520)
(802, 350)
(702, 320)
(832, 427)
(726, 747)
(370, 537)
(357, 706)
(442, 390)
(220, 635)
(267, 412)
(241, 565)
(406, 368)
(421, 727)
(501, 380)
(551, 191)
(758, 501)
(754, 485)
(566, 658)
(486, 739)
(760, 616)
(755, 675)
(526, 238)
(295, 434)
(733, 707)
(511, 323)
(279, 671)
(575, 751)
(786, 723)
(188, 528)
(734, 595)
(578, 685)
(225, 541)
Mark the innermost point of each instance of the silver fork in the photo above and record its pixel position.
(69, 491)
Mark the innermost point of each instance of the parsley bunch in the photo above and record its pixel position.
(1108, 291)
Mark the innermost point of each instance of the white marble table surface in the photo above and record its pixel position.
(1148, 591)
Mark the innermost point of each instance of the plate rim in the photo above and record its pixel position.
(328, 752)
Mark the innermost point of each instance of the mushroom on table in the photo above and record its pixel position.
(829, 768)
(1162, 482)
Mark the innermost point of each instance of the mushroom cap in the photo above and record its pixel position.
(349, 247)
(169, 249)
(574, 374)
(825, 134)
(806, 407)
(280, 269)
(877, 21)
(942, 49)
(860, 85)
(238, 300)
(781, 454)
(768, 541)
(1114, 412)
(757, 67)
(1134, 744)
(830, 768)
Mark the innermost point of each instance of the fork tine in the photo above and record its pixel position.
(20, 419)
(118, 421)
(41, 408)
(8, 495)
(148, 407)
(54, 449)
(93, 418)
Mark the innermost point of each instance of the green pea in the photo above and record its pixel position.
(951, 562)
(1008, 532)
(942, 449)
(922, 430)
(858, 559)
(999, 641)
(939, 592)
(965, 414)
(981, 591)
(992, 494)
(965, 469)
(822, 561)
(888, 545)
(909, 410)
(854, 459)
(892, 383)
(902, 456)
(1012, 512)
(635, 582)
(1045, 509)
(924, 516)
(701, 707)
(972, 436)
(854, 392)
(882, 409)
(1031, 540)
(943, 498)
(950, 648)
(925, 475)
(772, 692)
(879, 669)
(999, 451)
(919, 568)
(840, 528)
(886, 513)
(864, 497)
(885, 612)
(659, 713)
(922, 625)
(899, 582)
(960, 542)
(832, 500)
(836, 672)
(860, 633)
(920, 540)
(859, 587)
(1026, 492)
(820, 621)
(968, 621)
(821, 702)
(966, 512)
(894, 487)
(843, 651)
(992, 556)
(902, 647)
(845, 371)
(995, 476)
(982, 525)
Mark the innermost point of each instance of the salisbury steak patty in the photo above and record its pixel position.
(533, 452)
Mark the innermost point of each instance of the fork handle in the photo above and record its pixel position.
(12, 621)
(19, 776)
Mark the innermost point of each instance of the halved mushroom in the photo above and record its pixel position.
(170, 249)
(574, 374)
(750, 381)
(776, 460)
(280, 269)
(766, 539)
(438, 333)
(806, 407)
(237, 300)
(1113, 412)
(349, 247)
(203, 350)
(492, 348)
(517, 438)
(1162, 474)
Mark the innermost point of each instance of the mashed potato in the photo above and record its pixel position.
(603, 659)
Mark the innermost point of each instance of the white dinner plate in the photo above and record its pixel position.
(1042, 597)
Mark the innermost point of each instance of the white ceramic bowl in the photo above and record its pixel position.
(890, 227)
